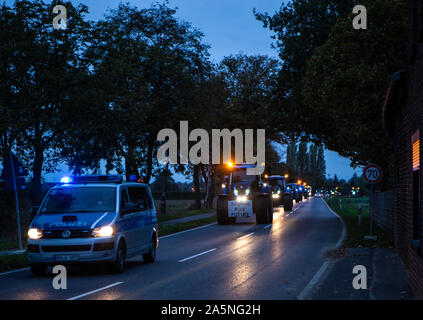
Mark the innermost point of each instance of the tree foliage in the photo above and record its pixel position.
(300, 26)
(346, 81)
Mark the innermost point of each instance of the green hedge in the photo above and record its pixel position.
(178, 195)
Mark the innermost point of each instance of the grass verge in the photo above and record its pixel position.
(347, 209)
(183, 214)
(13, 261)
(6, 244)
(185, 226)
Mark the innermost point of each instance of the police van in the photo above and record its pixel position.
(93, 219)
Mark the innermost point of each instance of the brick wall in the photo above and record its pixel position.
(409, 119)
(381, 205)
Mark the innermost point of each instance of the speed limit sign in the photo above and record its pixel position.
(372, 173)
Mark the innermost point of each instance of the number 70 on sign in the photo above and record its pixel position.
(372, 173)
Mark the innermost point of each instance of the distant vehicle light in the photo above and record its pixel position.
(247, 192)
(223, 186)
(264, 184)
(65, 180)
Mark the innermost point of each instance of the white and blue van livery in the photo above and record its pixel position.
(93, 219)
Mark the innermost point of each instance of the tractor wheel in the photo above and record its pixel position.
(222, 211)
(287, 203)
(263, 210)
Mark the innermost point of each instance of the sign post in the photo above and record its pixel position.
(372, 174)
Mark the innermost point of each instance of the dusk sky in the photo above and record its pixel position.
(229, 27)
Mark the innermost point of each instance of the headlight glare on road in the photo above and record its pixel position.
(34, 233)
(106, 231)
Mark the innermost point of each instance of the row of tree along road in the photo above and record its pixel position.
(98, 92)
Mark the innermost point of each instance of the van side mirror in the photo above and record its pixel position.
(33, 211)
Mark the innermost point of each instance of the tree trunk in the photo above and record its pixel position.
(150, 149)
(164, 195)
(211, 190)
(197, 186)
(36, 171)
(130, 167)
(204, 173)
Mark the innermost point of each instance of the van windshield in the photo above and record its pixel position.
(80, 199)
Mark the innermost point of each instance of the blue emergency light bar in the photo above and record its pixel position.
(92, 179)
(276, 177)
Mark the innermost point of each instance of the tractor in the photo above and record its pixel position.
(281, 195)
(296, 190)
(243, 195)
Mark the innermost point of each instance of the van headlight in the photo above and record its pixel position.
(34, 233)
(106, 231)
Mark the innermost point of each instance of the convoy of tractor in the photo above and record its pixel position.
(243, 195)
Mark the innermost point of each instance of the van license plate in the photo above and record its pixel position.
(66, 257)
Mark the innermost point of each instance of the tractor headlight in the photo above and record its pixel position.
(34, 233)
(241, 198)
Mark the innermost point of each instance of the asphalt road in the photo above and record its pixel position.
(242, 261)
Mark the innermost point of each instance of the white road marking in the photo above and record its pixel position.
(269, 225)
(13, 271)
(178, 233)
(306, 291)
(247, 235)
(97, 290)
(197, 255)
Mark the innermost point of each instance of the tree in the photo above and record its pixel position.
(345, 84)
(250, 82)
(147, 65)
(300, 26)
(320, 166)
(42, 76)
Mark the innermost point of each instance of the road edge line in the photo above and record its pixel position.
(303, 295)
(13, 271)
(95, 291)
